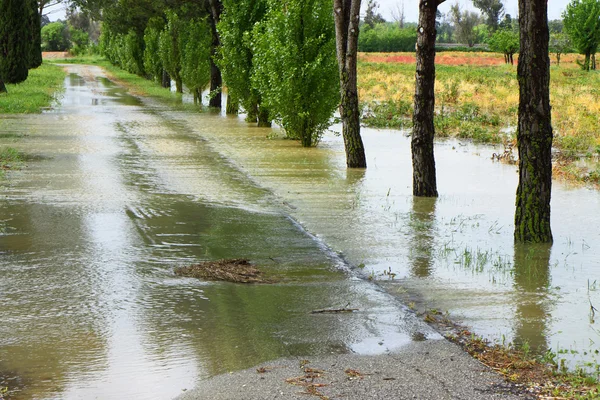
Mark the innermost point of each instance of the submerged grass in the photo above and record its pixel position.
(10, 158)
(39, 91)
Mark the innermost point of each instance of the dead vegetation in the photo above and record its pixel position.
(308, 381)
(238, 270)
(536, 376)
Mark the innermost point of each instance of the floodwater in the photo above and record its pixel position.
(114, 197)
(454, 253)
(120, 191)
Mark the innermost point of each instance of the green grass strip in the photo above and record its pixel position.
(39, 91)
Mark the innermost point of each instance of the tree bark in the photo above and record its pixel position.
(423, 160)
(166, 80)
(2, 87)
(216, 80)
(534, 130)
(347, 18)
(264, 117)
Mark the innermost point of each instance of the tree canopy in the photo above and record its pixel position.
(296, 66)
(493, 10)
(582, 24)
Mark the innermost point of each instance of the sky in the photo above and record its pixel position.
(411, 9)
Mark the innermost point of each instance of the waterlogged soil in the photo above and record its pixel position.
(117, 194)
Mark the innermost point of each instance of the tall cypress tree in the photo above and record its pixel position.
(14, 41)
(35, 32)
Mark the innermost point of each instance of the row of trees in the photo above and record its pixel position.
(20, 40)
(277, 61)
(285, 57)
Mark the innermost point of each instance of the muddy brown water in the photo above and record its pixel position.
(116, 195)
(121, 191)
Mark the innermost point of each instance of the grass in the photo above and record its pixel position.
(10, 158)
(477, 98)
(39, 91)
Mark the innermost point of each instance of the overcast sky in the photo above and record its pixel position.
(411, 8)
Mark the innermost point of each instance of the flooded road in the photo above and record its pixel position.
(116, 195)
(119, 192)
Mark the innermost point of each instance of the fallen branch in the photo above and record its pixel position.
(334, 310)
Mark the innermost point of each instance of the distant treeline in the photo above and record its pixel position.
(387, 37)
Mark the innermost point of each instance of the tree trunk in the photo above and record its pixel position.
(264, 117)
(178, 85)
(216, 80)
(594, 61)
(2, 87)
(166, 80)
(424, 180)
(233, 105)
(347, 18)
(534, 131)
(557, 59)
(252, 112)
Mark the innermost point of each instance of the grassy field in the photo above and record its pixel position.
(477, 97)
(36, 93)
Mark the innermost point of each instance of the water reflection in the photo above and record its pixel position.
(532, 283)
(421, 224)
(118, 197)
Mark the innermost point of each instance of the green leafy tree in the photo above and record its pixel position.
(559, 44)
(582, 23)
(152, 61)
(195, 42)
(80, 40)
(55, 37)
(493, 10)
(236, 56)
(372, 16)
(464, 25)
(296, 66)
(14, 42)
(556, 26)
(35, 32)
(387, 37)
(169, 49)
(506, 42)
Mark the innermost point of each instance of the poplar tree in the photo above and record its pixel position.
(236, 57)
(35, 32)
(14, 42)
(296, 66)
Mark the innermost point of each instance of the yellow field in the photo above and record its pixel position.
(477, 97)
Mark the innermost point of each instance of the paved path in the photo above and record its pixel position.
(434, 369)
